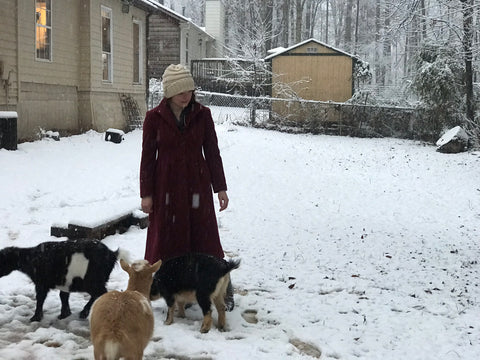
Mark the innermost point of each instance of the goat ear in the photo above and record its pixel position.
(125, 266)
(156, 266)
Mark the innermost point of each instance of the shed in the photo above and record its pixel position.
(313, 71)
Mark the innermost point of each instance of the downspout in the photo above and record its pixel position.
(147, 67)
(18, 58)
(6, 86)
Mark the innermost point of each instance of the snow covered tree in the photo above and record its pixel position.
(438, 80)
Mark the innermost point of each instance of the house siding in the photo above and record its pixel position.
(8, 55)
(101, 105)
(68, 94)
(62, 70)
(47, 98)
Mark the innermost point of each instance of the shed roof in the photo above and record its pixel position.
(283, 50)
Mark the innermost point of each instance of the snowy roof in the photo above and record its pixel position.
(8, 114)
(228, 59)
(275, 50)
(305, 42)
(153, 4)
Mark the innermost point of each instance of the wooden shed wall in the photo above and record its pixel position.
(164, 44)
(322, 75)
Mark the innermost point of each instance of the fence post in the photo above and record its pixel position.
(253, 112)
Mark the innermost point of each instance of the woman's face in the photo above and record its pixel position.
(181, 100)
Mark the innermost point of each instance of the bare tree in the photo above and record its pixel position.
(348, 25)
(467, 10)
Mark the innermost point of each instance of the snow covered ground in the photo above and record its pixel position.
(352, 248)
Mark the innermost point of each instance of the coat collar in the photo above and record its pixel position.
(163, 109)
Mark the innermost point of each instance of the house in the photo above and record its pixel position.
(76, 65)
(313, 71)
(72, 65)
(174, 39)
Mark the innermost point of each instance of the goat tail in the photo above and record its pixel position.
(231, 265)
(111, 350)
(123, 254)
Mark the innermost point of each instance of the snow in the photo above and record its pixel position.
(454, 133)
(115, 131)
(8, 114)
(276, 53)
(355, 248)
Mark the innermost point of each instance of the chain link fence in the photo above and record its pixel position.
(304, 116)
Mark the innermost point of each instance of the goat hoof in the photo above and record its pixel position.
(35, 318)
(64, 315)
(168, 322)
(83, 314)
(204, 330)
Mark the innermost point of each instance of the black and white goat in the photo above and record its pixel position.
(194, 278)
(70, 266)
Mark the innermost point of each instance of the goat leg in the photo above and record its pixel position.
(205, 305)
(41, 295)
(65, 311)
(94, 295)
(170, 312)
(220, 306)
(207, 322)
(181, 308)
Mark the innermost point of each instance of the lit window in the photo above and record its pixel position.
(107, 43)
(137, 53)
(43, 29)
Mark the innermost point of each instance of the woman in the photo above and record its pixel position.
(180, 165)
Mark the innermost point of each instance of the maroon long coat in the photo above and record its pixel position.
(178, 169)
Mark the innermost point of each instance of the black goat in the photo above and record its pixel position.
(194, 278)
(70, 266)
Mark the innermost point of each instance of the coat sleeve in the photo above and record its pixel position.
(149, 156)
(212, 154)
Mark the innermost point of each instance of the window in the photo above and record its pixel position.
(312, 50)
(107, 43)
(137, 52)
(43, 29)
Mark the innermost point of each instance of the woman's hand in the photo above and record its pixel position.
(223, 199)
(147, 204)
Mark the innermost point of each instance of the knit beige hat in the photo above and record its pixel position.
(176, 79)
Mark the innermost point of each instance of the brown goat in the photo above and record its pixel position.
(121, 323)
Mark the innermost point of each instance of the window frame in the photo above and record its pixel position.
(187, 55)
(137, 57)
(48, 30)
(109, 55)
